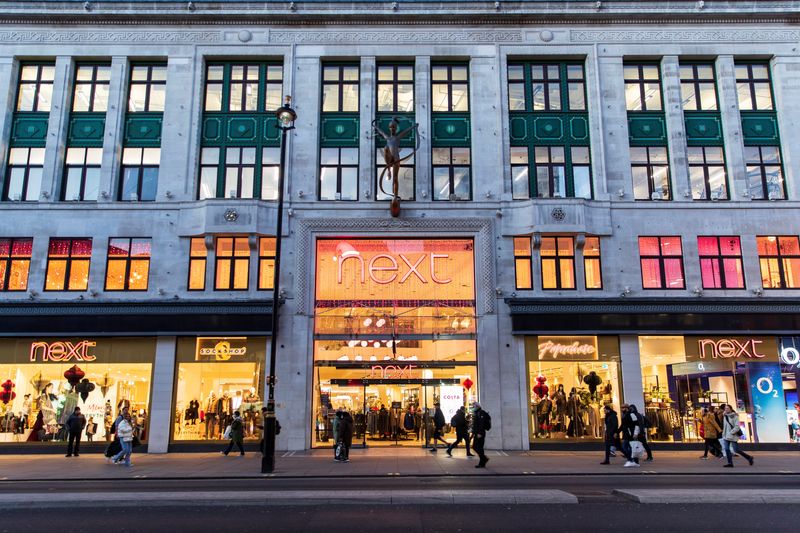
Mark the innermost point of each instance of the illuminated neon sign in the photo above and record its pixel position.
(62, 351)
(730, 348)
(386, 263)
(391, 371)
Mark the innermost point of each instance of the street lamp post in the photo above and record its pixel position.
(286, 117)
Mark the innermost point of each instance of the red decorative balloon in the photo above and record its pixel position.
(541, 388)
(468, 384)
(74, 375)
(7, 395)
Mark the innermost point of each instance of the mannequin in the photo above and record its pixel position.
(574, 412)
(211, 416)
(108, 420)
(560, 400)
(593, 381)
(46, 405)
(543, 410)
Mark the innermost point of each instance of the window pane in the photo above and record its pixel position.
(548, 247)
(671, 245)
(649, 246)
(350, 97)
(730, 246)
(441, 183)
(522, 246)
(516, 97)
(767, 245)
(208, 182)
(520, 183)
(708, 97)
(788, 246)
(461, 183)
(197, 247)
(688, 97)
(565, 246)
(791, 269)
(197, 274)
(56, 272)
(349, 156)
(266, 273)
(140, 269)
(770, 273)
(115, 275)
(673, 271)
(137, 98)
(524, 277)
(763, 96)
(349, 183)
(240, 273)
(549, 280)
(554, 94)
(460, 97)
(567, 267)
(734, 276)
(709, 271)
(651, 274)
(327, 183)
(330, 98)
(223, 274)
(591, 247)
(78, 275)
(18, 276)
(118, 247)
(582, 182)
(439, 96)
(652, 96)
(460, 156)
(577, 99)
(707, 246)
(593, 277)
(92, 185)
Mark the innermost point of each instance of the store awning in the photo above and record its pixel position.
(136, 318)
(534, 316)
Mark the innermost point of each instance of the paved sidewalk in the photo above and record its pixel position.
(379, 462)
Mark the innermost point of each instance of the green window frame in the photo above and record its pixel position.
(451, 82)
(340, 88)
(754, 86)
(90, 93)
(35, 87)
(643, 91)
(699, 87)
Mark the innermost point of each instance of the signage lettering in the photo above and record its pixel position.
(555, 349)
(220, 349)
(388, 264)
(63, 351)
(790, 356)
(729, 348)
(390, 371)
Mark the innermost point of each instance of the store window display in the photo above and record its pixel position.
(43, 380)
(215, 377)
(571, 379)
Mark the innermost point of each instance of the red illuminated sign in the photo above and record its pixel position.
(390, 371)
(63, 351)
(730, 348)
(388, 263)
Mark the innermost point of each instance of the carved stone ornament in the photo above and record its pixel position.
(231, 215)
(558, 214)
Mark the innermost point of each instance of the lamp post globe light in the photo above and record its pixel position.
(286, 117)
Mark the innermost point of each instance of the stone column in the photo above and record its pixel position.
(55, 146)
(487, 125)
(162, 396)
(785, 80)
(731, 127)
(422, 112)
(303, 173)
(632, 390)
(181, 129)
(366, 144)
(112, 135)
(676, 128)
(9, 71)
(614, 129)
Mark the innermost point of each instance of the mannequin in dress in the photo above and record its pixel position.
(46, 405)
(211, 415)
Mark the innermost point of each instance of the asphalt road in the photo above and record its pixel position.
(590, 517)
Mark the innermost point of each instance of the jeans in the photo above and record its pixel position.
(732, 448)
(74, 443)
(609, 444)
(627, 451)
(477, 445)
(460, 437)
(125, 453)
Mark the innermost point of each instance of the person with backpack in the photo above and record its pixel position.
(643, 435)
(459, 423)
(236, 433)
(438, 427)
(481, 423)
(731, 434)
(631, 430)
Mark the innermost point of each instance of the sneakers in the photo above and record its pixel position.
(433, 450)
(750, 460)
(704, 457)
(605, 463)
(629, 464)
(727, 465)
(68, 455)
(470, 455)
(449, 452)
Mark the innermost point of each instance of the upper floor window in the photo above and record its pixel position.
(15, 263)
(139, 174)
(24, 174)
(662, 262)
(198, 260)
(523, 262)
(232, 269)
(128, 267)
(449, 88)
(721, 262)
(338, 174)
(698, 88)
(340, 88)
(642, 87)
(35, 87)
(68, 264)
(405, 185)
(754, 87)
(396, 88)
(779, 259)
(266, 263)
(592, 269)
(557, 169)
(707, 172)
(82, 174)
(451, 174)
(253, 87)
(650, 170)
(147, 88)
(91, 88)
(558, 263)
(554, 87)
(764, 172)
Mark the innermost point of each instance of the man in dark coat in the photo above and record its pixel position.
(459, 423)
(438, 427)
(481, 423)
(346, 434)
(611, 429)
(75, 424)
(236, 434)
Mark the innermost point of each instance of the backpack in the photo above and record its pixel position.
(487, 421)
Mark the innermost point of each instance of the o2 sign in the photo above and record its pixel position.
(790, 356)
(765, 386)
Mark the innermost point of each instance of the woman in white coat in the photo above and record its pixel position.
(731, 433)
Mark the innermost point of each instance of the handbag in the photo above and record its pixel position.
(227, 433)
(637, 449)
(135, 443)
(338, 451)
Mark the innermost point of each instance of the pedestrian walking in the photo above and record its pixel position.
(345, 436)
(125, 436)
(731, 433)
(481, 423)
(459, 423)
(235, 432)
(630, 429)
(438, 427)
(643, 433)
(337, 420)
(611, 423)
(711, 433)
(75, 424)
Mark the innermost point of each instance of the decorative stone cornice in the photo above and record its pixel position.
(684, 36)
(110, 36)
(391, 37)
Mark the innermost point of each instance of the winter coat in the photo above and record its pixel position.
(237, 429)
(346, 429)
(612, 425)
(125, 431)
(479, 422)
(730, 423)
(438, 419)
(76, 423)
(631, 426)
(335, 423)
(710, 427)
(459, 422)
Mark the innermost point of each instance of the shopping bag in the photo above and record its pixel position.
(338, 451)
(113, 448)
(637, 450)
(227, 433)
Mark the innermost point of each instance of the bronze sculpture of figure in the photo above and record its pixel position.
(392, 159)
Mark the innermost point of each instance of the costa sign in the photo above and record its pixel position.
(730, 348)
(62, 351)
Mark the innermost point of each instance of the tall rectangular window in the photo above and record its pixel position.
(765, 172)
(338, 174)
(240, 169)
(642, 87)
(779, 259)
(340, 88)
(128, 267)
(520, 175)
(662, 262)
(592, 269)
(35, 88)
(754, 87)
(91, 88)
(209, 171)
(405, 181)
(698, 87)
(139, 174)
(707, 172)
(650, 169)
(396, 88)
(721, 262)
(148, 87)
(15, 263)
(551, 180)
(68, 264)
(24, 174)
(82, 174)
(270, 173)
(198, 260)
(558, 263)
(449, 88)
(452, 174)
(523, 262)
(241, 87)
(266, 263)
(232, 269)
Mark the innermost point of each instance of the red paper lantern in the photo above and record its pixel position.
(7, 395)
(74, 375)
(468, 384)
